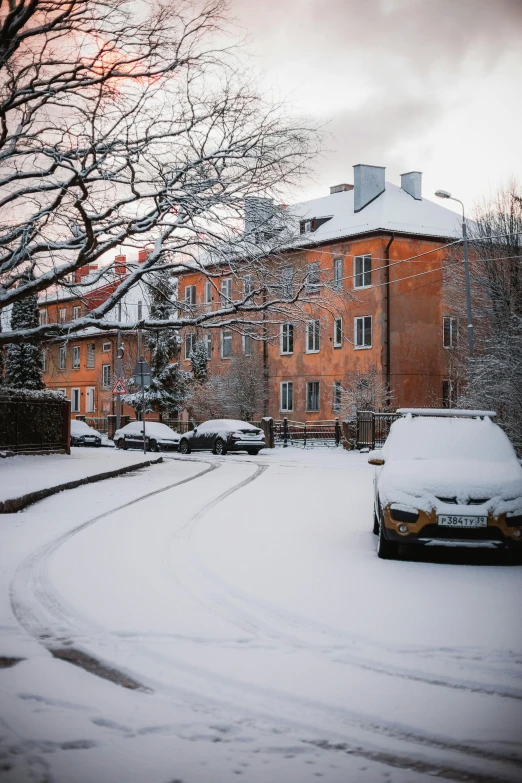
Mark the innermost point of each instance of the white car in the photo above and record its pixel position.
(83, 435)
(158, 436)
(447, 477)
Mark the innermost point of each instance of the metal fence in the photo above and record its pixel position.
(35, 425)
(373, 428)
(307, 433)
(99, 423)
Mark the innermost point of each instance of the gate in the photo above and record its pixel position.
(307, 433)
(373, 428)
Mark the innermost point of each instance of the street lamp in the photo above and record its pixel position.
(445, 194)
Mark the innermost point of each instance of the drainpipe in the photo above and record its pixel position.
(387, 328)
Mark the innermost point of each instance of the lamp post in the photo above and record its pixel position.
(445, 194)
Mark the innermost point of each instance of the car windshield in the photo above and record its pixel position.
(81, 428)
(437, 438)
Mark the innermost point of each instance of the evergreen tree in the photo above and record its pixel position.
(24, 360)
(199, 361)
(169, 384)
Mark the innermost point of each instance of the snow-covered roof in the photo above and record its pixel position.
(393, 210)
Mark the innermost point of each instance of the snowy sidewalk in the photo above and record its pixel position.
(24, 475)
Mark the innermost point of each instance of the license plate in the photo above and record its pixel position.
(458, 520)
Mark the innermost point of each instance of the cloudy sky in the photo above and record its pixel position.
(429, 85)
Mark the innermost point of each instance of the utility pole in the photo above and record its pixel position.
(471, 338)
(118, 368)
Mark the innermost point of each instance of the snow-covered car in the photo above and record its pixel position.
(222, 435)
(83, 435)
(447, 477)
(158, 437)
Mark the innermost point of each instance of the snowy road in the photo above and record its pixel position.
(243, 600)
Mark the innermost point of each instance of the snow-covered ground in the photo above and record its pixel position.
(244, 595)
(22, 474)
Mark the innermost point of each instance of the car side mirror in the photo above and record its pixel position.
(194, 431)
(376, 457)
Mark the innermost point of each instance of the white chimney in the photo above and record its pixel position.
(368, 184)
(411, 183)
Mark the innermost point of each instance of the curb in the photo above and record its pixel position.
(17, 504)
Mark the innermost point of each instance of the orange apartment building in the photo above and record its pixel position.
(379, 251)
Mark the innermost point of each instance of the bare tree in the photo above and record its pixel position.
(239, 393)
(363, 390)
(492, 378)
(125, 124)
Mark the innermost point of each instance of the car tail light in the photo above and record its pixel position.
(235, 435)
(403, 516)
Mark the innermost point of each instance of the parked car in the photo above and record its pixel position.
(83, 435)
(222, 435)
(447, 477)
(158, 436)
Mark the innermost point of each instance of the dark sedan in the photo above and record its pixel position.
(222, 435)
(83, 435)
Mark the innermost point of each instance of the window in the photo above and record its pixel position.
(287, 338)
(305, 226)
(312, 396)
(226, 344)
(76, 312)
(44, 360)
(106, 375)
(89, 399)
(190, 295)
(62, 359)
(43, 317)
(449, 332)
(248, 344)
(287, 282)
(106, 347)
(226, 291)
(62, 315)
(312, 337)
(362, 270)
(190, 340)
(338, 273)
(363, 332)
(313, 278)
(208, 291)
(63, 391)
(140, 309)
(76, 357)
(248, 284)
(287, 394)
(337, 391)
(208, 341)
(75, 400)
(338, 333)
(449, 394)
(91, 348)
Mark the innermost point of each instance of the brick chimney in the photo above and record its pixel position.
(120, 265)
(340, 188)
(80, 273)
(142, 256)
(411, 183)
(368, 185)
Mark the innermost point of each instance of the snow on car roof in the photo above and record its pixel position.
(454, 412)
(78, 427)
(448, 438)
(228, 424)
(151, 428)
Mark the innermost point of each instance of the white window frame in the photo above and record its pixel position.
(313, 336)
(43, 317)
(360, 277)
(248, 284)
(313, 277)
(76, 312)
(338, 333)
(228, 339)
(308, 408)
(140, 309)
(62, 357)
(338, 265)
(248, 345)
(208, 341)
(287, 282)
(453, 332)
(363, 346)
(106, 347)
(285, 398)
(44, 360)
(106, 371)
(226, 291)
(64, 391)
(76, 357)
(90, 393)
(74, 408)
(190, 295)
(190, 340)
(62, 315)
(287, 339)
(90, 361)
(337, 392)
(208, 292)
